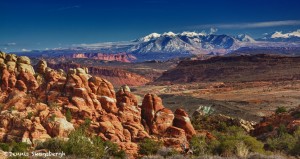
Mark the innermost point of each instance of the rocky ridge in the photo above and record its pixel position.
(121, 57)
(35, 103)
(244, 68)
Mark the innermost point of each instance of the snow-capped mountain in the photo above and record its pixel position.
(245, 38)
(279, 36)
(185, 42)
(149, 37)
(167, 45)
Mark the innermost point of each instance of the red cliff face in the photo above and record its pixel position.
(121, 57)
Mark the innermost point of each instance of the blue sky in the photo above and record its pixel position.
(40, 24)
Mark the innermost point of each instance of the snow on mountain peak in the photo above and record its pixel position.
(150, 37)
(171, 34)
(191, 34)
(245, 38)
(279, 34)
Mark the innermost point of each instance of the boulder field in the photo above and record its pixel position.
(43, 103)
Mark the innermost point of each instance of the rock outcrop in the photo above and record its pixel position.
(219, 121)
(183, 121)
(35, 103)
(269, 126)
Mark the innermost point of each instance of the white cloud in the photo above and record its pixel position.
(105, 44)
(279, 34)
(25, 50)
(249, 25)
(9, 44)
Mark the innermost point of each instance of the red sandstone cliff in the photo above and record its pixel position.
(121, 57)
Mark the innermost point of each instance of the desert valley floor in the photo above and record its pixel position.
(248, 100)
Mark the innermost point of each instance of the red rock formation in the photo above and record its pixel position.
(183, 121)
(122, 57)
(29, 80)
(151, 104)
(34, 108)
(175, 137)
(163, 119)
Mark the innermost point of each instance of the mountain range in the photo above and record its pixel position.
(169, 45)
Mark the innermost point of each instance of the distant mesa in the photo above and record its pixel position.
(121, 57)
(245, 68)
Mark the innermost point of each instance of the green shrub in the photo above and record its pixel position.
(242, 150)
(167, 152)
(198, 145)
(296, 149)
(280, 110)
(253, 144)
(80, 145)
(233, 137)
(52, 118)
(68, 115)
(19, 147)
(4, 147)
(149, 147)
(29, 115)
(222, 126)
(281, 130)
(112, 149)
(286, 143)
(87, 123)
(53, 145)
(201, 146)
(83, 146)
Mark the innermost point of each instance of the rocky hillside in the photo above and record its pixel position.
(117, 76)
(35, 103)
(235, 69)
(269, 126)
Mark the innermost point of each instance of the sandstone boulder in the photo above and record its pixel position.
(24, 64)
(101, 87)
(162, 120)
(151, 104)
(125, 97)
(29, 80)
(183, 121)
